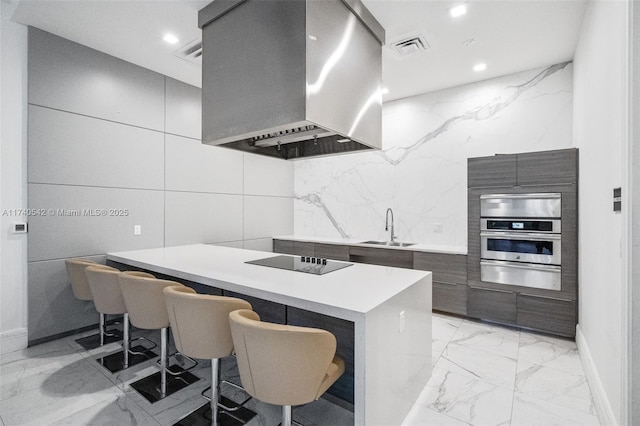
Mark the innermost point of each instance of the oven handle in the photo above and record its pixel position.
(521, 236)
(546, 195)
(533, 266)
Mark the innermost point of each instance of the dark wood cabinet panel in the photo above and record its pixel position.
(490, 304)
(448, 268)
(331, 251)
(547, 167)
(283, 246)
(384, 257)
(269, 311)
(556, 316)
(344, 332)
(300, 248)
(497, 170)
(450, 298)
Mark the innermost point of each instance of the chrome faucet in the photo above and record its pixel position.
(386, 224)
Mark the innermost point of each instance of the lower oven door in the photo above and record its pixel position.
(521, 274)
(521, 247)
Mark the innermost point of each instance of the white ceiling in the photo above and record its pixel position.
(508, 35)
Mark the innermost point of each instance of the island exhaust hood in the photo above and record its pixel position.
(291, 78)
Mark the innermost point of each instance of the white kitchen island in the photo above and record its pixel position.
(389, 307)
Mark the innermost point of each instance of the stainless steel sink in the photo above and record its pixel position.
(388, 243)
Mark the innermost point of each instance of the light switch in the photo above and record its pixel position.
(137, 230)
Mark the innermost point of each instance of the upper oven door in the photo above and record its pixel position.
(521, 205)
(521, 247)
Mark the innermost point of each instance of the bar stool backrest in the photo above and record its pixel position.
(144, 300)
(105, 289)
(281, 364)
(200, 322)
(77, 278)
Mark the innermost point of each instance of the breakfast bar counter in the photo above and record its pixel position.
(390, 309)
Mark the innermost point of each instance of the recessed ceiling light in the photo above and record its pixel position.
(170, 38)
(458, 11)
(480, 67)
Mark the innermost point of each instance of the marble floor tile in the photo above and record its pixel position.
(121, 411)
(556, 386)
(528, 411)
(421, 416)
(487, 337)
(442, 330)
(553, 352)
(61, 391)
(467, 399)
(492, 368)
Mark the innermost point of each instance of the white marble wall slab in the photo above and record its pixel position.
(422, 170)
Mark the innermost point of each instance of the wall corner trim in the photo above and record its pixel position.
(13, 340)
(603, 407)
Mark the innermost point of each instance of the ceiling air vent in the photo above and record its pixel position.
(411, 45)
(191, 52)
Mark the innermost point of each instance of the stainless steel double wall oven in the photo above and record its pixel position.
(521, 239)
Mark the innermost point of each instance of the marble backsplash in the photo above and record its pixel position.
(421, 172)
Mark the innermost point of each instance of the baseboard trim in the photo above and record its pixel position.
(600, 400)
(13, 340)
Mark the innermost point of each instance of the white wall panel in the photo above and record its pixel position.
(64, 231)
(267, 176)
(193, 218)
(266, 217)
(71, 77)
(192, 166)
(72, 149)
(183, 109)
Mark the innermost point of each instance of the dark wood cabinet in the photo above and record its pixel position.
(449, 280)
(491, 304)
(331, 251)
(548, 314)
(447, 297)
(380, 256)
(300, 248)
(547, 167)
(497, 170)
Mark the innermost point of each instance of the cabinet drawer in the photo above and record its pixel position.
(331, 251)
(450, 298)
(556, 316)
(490, 304)
(384, 257)
(448, 268)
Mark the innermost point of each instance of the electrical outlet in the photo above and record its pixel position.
(401, 322)
(137, 230)
(437, 228)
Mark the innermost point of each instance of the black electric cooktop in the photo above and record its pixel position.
(310, 265)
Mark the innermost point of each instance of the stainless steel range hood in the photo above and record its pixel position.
(291, 78)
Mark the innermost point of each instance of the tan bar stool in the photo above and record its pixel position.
(200, 328)
(144, 300)
(283, 364)
(81, 291)
(107, 297)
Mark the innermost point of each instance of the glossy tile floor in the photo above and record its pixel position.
(483, 375)
(491, 375)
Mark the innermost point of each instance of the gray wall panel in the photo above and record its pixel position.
(52, 307)
(183, 109)
(193, 218)
(71, 77)
(57, 235)
(267, 176)
(266, 217)
(66, 148)
(192, 166)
